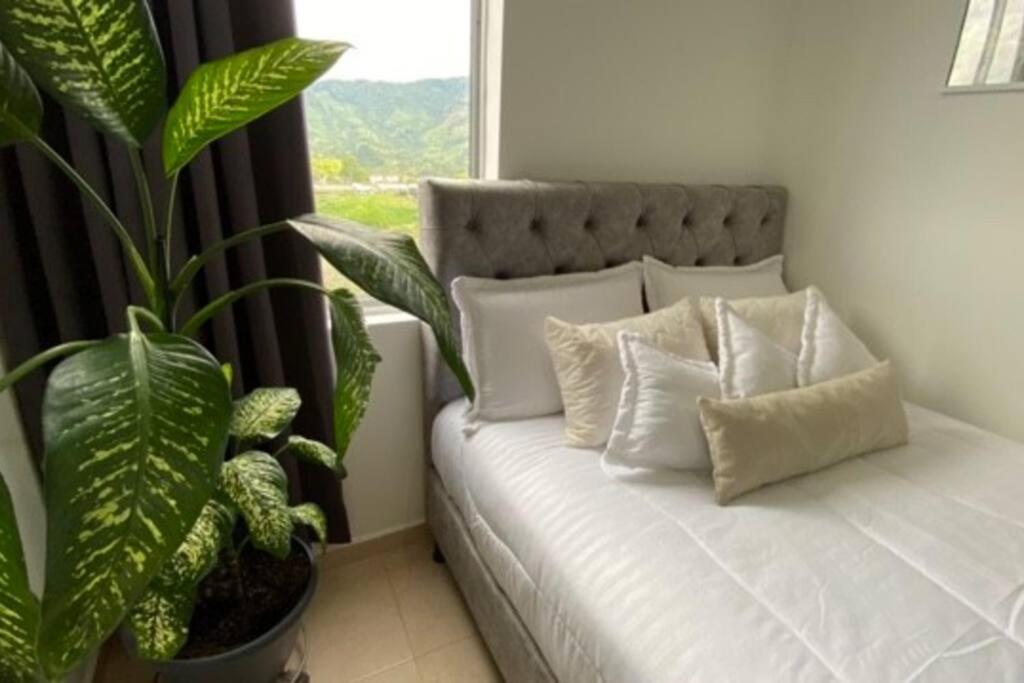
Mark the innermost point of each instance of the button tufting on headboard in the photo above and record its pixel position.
(506, 229)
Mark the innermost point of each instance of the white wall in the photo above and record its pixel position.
(641, 90)
(18, 472)
(906, 204)
(385, 488)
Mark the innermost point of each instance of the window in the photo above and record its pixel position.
(990, 54)
(394, 109)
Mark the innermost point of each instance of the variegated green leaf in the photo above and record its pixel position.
(21, 110)
(101, 59)
(257, 485)
(312, 516)
(355, 361)
(19, 609)
(224, 95)
(229, 373)
(388, 267)
(159, 620)
(263, 414)
(135, 430)
(312, 451)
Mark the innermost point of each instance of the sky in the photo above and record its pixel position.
(395, 40)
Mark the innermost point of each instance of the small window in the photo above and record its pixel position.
(396, 108)
(990, 54)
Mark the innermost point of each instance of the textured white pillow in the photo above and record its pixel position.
(658, 422)
(586, 362)
(829, 348)
(749, 361)
(503, 332)
(665, 284)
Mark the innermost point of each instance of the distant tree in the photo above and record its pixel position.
(338, 170)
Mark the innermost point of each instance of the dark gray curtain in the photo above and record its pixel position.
(63, 277)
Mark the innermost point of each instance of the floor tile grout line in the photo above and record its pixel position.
(474, 633)
(385, 669)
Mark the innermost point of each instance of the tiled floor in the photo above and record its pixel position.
(385, 613)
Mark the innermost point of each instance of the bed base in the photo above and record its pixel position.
(513, 649)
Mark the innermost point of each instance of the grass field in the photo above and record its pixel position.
(395, 211)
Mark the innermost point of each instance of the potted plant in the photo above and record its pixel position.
(227, 605)
(137, 485)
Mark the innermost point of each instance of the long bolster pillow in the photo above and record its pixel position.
(764, 439)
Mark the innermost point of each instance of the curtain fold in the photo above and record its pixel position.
(63, 276)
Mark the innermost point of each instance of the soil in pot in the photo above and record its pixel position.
(227, 616)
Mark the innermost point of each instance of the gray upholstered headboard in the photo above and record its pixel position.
(513, 229)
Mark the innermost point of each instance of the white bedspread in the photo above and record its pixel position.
(902, 565)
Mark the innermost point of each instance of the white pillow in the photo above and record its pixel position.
(780, 317)
(503, 332)
(658, 423)
(749, 361)
(586, 362)
(829, 349)
(665, 284)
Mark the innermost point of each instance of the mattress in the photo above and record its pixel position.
(902, 565)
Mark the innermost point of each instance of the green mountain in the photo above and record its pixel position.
(362, 128)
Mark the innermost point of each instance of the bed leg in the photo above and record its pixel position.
(438, 555)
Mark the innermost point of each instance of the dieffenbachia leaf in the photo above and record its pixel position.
(135, 430)
(21, 110)
(355, 360)
(100, 59)
(263, 414)
(223, 95)
(388, 267)
(312, 451)
(19, 608)
(229, 373)
(257, 485)
(159, 619)
(312, 516)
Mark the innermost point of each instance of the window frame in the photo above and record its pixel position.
(478, 11)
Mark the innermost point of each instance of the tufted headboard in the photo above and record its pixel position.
(513, 229)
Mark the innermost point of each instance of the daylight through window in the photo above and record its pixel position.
(991, 47)
(396, 108)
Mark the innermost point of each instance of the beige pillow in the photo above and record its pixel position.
(768, 438)
(779, 317)
(586, 362)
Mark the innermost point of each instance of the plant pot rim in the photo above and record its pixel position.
(294, 614)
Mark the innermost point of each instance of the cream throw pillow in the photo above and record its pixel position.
(779, 317)
(586, 362)
(760, 440)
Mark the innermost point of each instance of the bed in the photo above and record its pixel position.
(906, 564)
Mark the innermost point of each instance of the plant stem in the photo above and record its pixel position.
(194, 264)
(154, 238)
(135, 312)
(211, 309)
(37, 361)
(172, 189)
(134, 257)
(236, 572)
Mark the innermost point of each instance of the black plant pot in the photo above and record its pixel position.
(259, 661)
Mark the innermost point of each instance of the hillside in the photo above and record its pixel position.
(363, 128)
